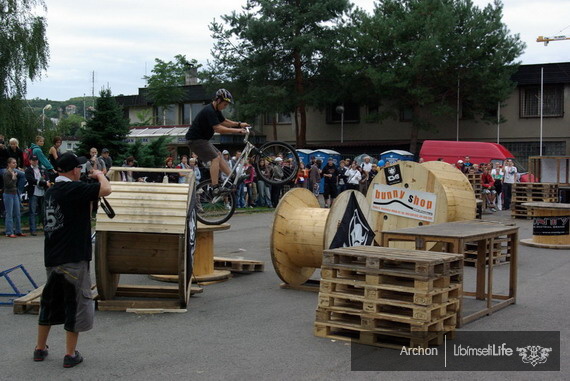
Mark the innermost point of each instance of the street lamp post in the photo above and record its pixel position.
(46, 107)
(340, 110)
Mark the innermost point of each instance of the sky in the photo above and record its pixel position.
(119, 40)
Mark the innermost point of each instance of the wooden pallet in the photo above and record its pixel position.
(390, 309)
(393, 261)
(408, 282)
(386, 324)
(390, 292)
(380, 339)
(500, 253)
(30, 303)
(236, 265)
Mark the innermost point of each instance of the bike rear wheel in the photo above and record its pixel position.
(290, 166)
(213, 209)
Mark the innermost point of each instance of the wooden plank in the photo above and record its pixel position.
(123, 305)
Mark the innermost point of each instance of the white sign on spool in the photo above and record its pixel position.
(404, 202)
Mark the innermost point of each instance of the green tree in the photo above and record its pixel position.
(151, 155)
(164, 86)
(107, 129)
(70, 126)
(24, 55)
(271, 53)
(422, 55)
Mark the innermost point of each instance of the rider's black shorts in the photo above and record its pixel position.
(204, 149)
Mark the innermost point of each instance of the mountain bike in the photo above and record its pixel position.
(216, 206)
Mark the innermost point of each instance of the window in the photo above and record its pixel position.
(351, 113)
(553, 105)
(280, 118)
(168, 118)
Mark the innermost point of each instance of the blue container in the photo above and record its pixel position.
(392, 156)
(304, 155)
(323, 155)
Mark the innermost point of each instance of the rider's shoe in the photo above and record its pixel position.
(218, 190)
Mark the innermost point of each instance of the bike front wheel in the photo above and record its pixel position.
(213, 209)
(288, 167)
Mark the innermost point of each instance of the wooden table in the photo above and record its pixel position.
(550, 228)
(454, 236)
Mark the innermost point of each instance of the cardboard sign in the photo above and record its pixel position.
(393, 174)
(404, 202)
(551, 225)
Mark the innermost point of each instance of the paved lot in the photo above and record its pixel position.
(249, 327)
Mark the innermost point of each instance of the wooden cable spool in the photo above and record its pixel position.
(455, 200)
(302, 230)
(154, 232)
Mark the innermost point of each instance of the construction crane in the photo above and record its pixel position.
(546, 40)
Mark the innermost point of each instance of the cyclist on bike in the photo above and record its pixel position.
(207, 122)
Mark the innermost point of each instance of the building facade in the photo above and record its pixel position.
(353, 132)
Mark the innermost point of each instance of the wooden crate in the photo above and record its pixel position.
(475, 180)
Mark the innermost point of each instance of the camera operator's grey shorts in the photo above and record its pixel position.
(67, 298)
(204, 149)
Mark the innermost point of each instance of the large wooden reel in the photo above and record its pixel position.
(302, 230)
(454, 195)
(154, 232)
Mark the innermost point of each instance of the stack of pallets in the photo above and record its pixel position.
(389, 297)
(531, 192)
(500, 253)
(475, 180)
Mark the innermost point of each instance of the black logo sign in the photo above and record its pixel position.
(354, 229)
(550, 225)
(393, 174)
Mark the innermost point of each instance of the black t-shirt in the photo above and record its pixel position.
(203, 124)
(330, 170)
(67, 224)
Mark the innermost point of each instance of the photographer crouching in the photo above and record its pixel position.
(67, 253)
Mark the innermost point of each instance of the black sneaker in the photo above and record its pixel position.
(40, 354)
(219, 190)
(71, 361)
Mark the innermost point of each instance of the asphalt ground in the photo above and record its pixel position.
(248, 327)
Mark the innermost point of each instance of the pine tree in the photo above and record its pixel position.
(108, 128)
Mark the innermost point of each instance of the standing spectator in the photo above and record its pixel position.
(248, 182)
(302, 176)
(488, 187)
(14, 151)
(497, 174)
(183, 176)
(276, 174)
(363, 185)
(107, 159)
(459, 165)
(66, 298)
(171, 176)
(353, 176)
(37, 151)
(315, 177)
(38, 182)
(263, 188)
(330, 174)
(509, 178)
(54, 152)
(228, 160)
(127, 176)
(342, 176)
(467, 165)
(12, 201)
(366, 165)
(3, 155)
(95, 162)
(372, 174)
(196, 171)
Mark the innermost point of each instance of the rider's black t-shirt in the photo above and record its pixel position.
(67, 223)
(203, 123)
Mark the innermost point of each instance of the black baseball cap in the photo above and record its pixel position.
(68, 161)
(33, 157)
(104, 150)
